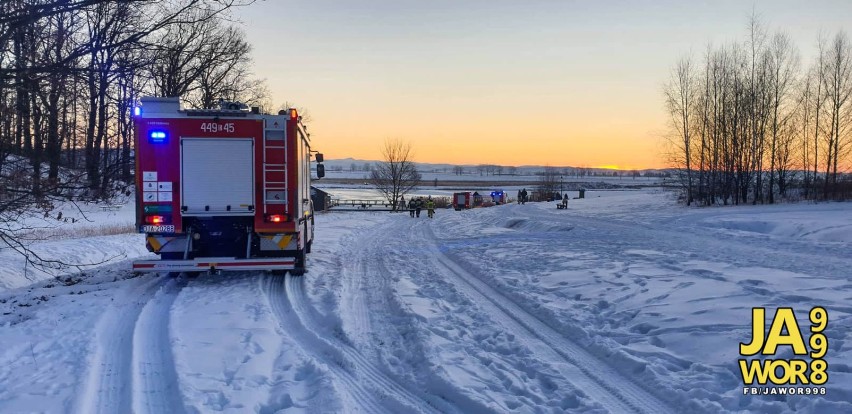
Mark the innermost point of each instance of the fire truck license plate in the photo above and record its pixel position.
(159, 229)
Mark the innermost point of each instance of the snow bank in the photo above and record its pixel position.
(78, 243)
(826, 223)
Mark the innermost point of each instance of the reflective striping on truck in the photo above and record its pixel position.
(219, 264)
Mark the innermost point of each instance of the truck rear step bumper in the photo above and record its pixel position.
(214, 263)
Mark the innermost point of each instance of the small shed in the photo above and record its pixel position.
(320, 199)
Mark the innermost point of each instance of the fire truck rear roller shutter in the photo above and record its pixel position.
(216, 173)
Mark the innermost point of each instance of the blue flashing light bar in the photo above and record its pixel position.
(137, 111)
(157, 137)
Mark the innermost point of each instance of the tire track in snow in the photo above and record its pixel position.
(354, 292)
(155, 381)
(359, 366)
(108, 387)
(354, 396)
(367, 389)
(400, 395)
(369, 292)
(589, 374)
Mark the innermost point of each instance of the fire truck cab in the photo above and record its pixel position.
(223, 189)
(499, 197)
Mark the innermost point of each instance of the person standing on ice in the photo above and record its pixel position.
(411, 206)
(418, 205)
(430, 207)
(519, 196)
(524, 196)
(565, 201)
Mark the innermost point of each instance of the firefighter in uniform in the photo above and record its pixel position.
(430, 207)
(418, 205)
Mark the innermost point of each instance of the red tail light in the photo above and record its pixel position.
(155, 219)
(276, 218)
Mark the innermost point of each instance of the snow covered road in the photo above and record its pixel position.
(114, 369)
(623, 303)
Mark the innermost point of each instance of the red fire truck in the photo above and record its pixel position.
(461, 200)
(224, 189)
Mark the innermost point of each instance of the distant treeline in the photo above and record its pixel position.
(71, 72)
(492, 169)
(751, 124)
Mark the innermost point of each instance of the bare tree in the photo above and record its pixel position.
(204, 62)
(783, 61)
(396, 174)
(548, 184)
(804, 115)
(757, 99)
(179, 53)
(680, 97)
(837, 81)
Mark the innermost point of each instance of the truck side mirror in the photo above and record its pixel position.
(319, 157)
(320, 171)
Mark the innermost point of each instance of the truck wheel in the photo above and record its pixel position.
(299, 269)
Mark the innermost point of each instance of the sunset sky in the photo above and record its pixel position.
(505, 82)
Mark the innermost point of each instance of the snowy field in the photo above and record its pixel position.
(624, 302)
